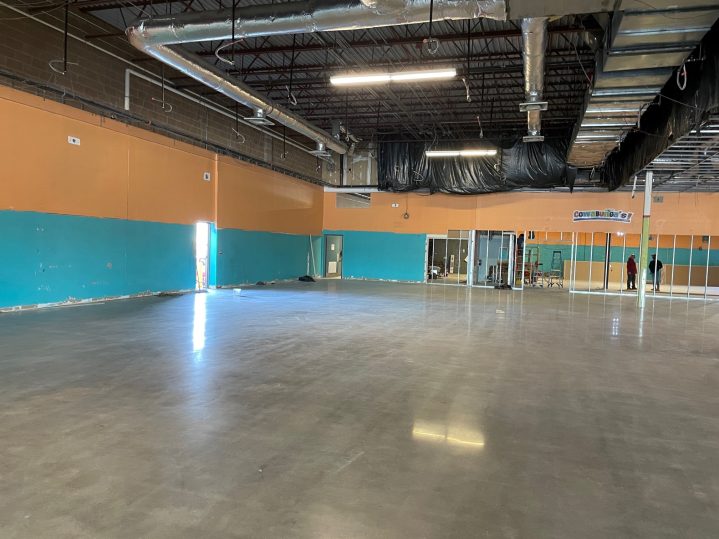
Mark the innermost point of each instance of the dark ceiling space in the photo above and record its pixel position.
(603, 72)
(484, 97)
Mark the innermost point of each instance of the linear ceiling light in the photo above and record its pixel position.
(400, 76)
(460, 153)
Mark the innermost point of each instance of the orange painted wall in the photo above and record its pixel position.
(254, 198)
(688, 213)
(40, 171)
(124, 172)
(117, 171)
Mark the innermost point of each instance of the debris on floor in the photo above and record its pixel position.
(307, 279)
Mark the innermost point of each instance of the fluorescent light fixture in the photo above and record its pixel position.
(400, 76)
(460, 153)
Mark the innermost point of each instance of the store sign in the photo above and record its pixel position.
(618, 216)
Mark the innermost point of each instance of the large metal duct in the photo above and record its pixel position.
(305, 17)
(153, 36)
(534, 46)
(188, 63)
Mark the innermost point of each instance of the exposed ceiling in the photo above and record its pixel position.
(645, 44)
(293, 71)
(690, 164)
(487, 54)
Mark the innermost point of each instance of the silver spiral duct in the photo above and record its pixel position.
(153, 36)
(534, 46)
(307, 16)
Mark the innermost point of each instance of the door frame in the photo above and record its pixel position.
(325, 251)
(430, 237)
(208, 256)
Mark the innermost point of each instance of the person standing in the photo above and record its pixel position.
(655, 270)
(631, 273)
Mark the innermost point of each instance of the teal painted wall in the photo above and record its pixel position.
(682, 256)
(546, 253)
(51, 258)
(619, 254)
(245, 257)
(382, 255)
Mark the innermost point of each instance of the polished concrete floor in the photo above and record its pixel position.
(351, 409)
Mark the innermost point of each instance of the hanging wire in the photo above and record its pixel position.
(431, 44)
(283, 155)
(291, 99)
(347, 106)
(234, 20)
(66, 36)
(682, 77)
(167, 107)
(67, 19)
(469, 56)
(233, 41)
(236, 130)
(221, 48)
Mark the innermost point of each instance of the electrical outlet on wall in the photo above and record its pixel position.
(73, 140)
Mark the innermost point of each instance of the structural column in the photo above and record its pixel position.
(644, 247)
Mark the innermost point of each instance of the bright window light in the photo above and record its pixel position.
(461, 153)
(401, 76)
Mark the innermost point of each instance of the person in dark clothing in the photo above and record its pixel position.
(631, 273)
(655, 271)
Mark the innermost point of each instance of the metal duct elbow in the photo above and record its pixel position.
(534, 46)
(153, 36)
(188, 64)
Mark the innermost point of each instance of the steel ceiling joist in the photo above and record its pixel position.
(643, 47)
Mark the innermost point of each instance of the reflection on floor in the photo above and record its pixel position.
(451, 278)
(359, 409)
(665, 289)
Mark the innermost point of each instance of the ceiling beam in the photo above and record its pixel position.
(96, 5)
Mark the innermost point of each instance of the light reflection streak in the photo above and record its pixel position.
(450, 435)
(199, 323)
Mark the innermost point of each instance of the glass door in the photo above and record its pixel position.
(495, 252)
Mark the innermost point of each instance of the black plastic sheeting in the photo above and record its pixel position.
(672, 115)
(404, 167)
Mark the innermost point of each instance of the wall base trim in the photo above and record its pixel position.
(91, 301)
(267, 283)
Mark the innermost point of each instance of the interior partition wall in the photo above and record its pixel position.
(580, 262)
(486, 258)
(497, 259)
(679, 265)
(547, 259)
(448, 258)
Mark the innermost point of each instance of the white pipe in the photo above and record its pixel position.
(350, 189)
(644, 247)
